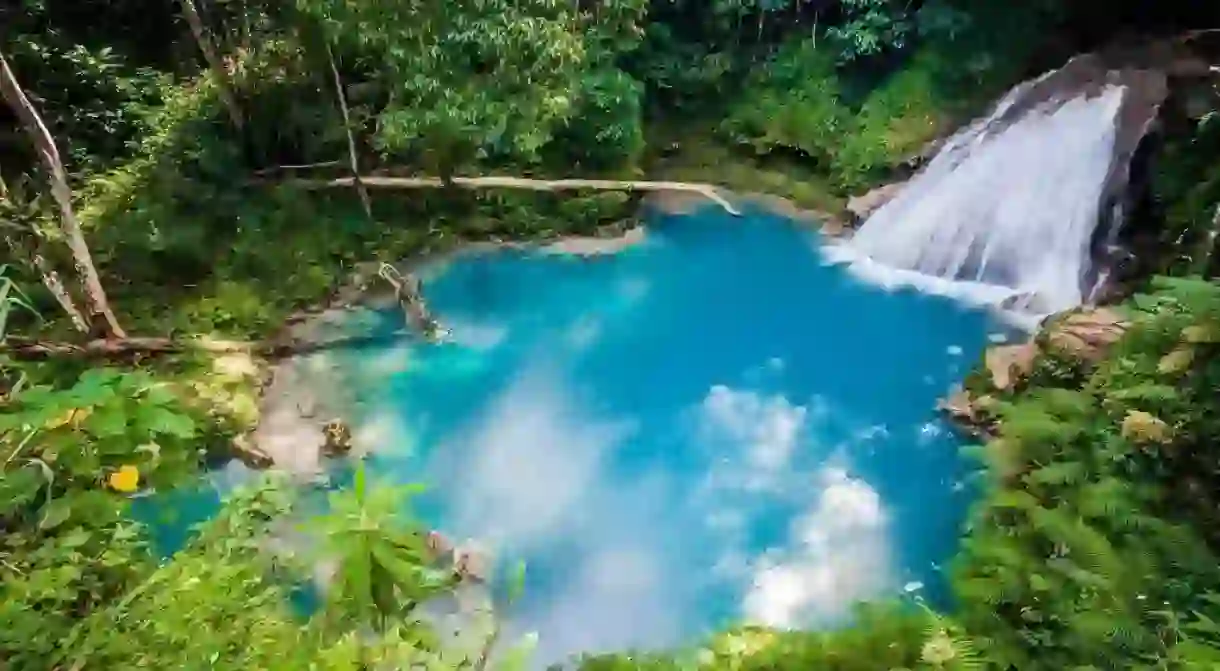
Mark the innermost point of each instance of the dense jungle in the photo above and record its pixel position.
(179, 179)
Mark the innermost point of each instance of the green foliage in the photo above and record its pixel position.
(381, 565)
(1186, 185)
(883, 636)
(222, 603)
(870, 28)
(94, 95)
(463, 80)
(1088, 543)
(68, 547)
(792, 104)
(896, 121)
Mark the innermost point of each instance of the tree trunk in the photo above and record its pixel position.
(50, 279)
(100, 315)
(214, 63)
(347, 128)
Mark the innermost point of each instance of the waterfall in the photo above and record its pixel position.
(1008, 211)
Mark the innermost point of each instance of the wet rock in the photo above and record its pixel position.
(969, 412)
(860, 207)
(438, 546)
(1085, 333)
(337, 438)
(1009, 364)
(471, 563)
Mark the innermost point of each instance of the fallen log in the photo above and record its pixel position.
(411, 301)
(374, 181)
(29, 348)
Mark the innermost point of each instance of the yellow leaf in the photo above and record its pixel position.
(1143, 427)
(72, 415)
(126, 479)
(1177, 361)
(1201, 333)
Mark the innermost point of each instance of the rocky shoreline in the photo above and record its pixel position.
(1078, 338)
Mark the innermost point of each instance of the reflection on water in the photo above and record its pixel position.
(711, 426)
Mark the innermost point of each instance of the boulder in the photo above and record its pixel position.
(337, 438)
(471, 563)
(1085, 333)
(859, 208)
(968, 412)
(1008, 364)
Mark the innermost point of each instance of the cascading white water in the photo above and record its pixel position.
(1005, 212)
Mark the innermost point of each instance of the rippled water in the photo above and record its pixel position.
(711, 426)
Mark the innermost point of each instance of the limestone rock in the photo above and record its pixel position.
(1085, 333)
(438, 546)
(968, 412)
(1008, 364)
(471, 563)
(862, 206)
(337, 438)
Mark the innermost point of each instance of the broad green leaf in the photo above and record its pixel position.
(108, 422)
(55, 513)
(158, 420)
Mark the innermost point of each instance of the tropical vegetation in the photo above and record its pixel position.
(182, 172)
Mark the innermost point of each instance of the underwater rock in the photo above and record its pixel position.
(1084, 333)
(337, 438)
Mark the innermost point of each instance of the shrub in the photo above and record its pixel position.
(793, 105)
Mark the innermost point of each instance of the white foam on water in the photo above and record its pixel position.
(1001, 216)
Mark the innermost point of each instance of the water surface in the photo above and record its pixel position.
(712, 426)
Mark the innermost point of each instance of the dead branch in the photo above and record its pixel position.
(117, 348)
(347, 129)
(191, 13)
(411, 301)
(96, 302)
(50, 279)
(706, 190)
(302, 166)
